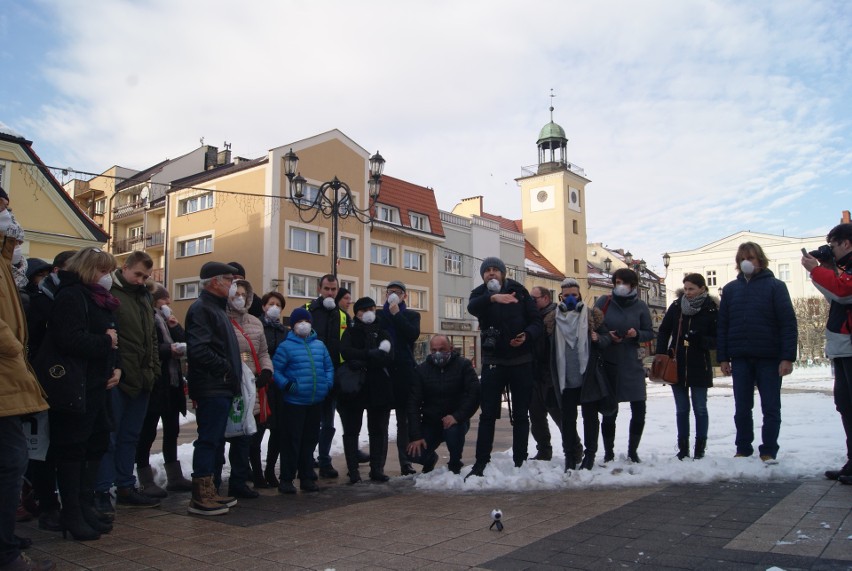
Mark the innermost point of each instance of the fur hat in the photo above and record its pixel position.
(300, 314)
(492, 262)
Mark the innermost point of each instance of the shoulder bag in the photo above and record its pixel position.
(664, 368)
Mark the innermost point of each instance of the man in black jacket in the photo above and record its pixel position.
(509, 325)
(444, 395)
(214, 371)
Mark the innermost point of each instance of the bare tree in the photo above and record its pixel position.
(811, 314)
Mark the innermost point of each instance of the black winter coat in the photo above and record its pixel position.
(329, 324)
(214, 367)
(697, 337)
(38, 314)
(439, 391)
(509, 319)
(275, 332)
(360, 349)
(77, 327)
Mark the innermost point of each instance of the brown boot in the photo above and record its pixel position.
(229, 501)
(202, 502)
(175, 480)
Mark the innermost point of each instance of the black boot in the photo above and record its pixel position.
(700, 446)
(588, 461)
(570, 463)
(71, 516)
(608, 434)
(350, 452)
(632, 446)
(96, 520)
(683, 448)
(378, 456)
(544, 453)
(258, 479)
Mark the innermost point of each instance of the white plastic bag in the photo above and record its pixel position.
(37, 431)
(241, 418)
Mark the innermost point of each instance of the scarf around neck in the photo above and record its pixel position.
(102, 297)
(572, 334)
(692, 306)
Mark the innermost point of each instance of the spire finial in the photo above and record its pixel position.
(551, 104)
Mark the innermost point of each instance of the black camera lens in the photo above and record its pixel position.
(823, 253)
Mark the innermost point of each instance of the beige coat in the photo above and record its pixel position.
(20, 392)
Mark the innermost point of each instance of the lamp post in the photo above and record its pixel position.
(333, 199)
(607, 265)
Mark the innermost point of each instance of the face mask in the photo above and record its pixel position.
(328, 303)
(54, 276)
(5, 220)
(440, 358)
(105, 282)
(368, 317)
(621, 290)
(747, 267)
(232, 291)
(493, 285)
(302, 329)
(273, 312)
(393, 299)
(569, 303)
(17, 255)
(238, 302)
(166, 311)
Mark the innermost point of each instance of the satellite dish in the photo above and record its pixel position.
(144, 194)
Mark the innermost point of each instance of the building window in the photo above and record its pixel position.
(302, 240)
(196, 203)
(419, 221)
(195, 246)
(311, 196)
(512, 273)
(413, 261)
(452, 263)
(377, 293)
(711, 277)
(100, 206)
(387, 214)
(453, 307)
(349, 285)
(134, 232)
(301, 286)
(186, 290)
(382, 255)
(784, 272)
(576, 226)
(415, 299)
(347, 248)
(3, 182)
(576, 267)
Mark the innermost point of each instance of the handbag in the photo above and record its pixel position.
(597, 387)
(664, 368)
(240, 418)
(349, 381)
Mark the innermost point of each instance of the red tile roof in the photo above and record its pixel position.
(533, 255)
(408, 197)
(505, 223)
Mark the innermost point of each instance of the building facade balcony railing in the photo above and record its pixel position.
(128, 245)
(153, 239)
(126, 210)
(158, 274)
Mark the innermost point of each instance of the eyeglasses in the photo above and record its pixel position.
(535, 298)
(396, 291)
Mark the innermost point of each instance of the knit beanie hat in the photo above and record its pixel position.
(300, 314)
(364, 303)
(492, 262)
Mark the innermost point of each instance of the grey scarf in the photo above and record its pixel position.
(692, 306)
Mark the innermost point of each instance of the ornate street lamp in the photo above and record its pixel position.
(333, 199)
(666, 260)
(607, 264)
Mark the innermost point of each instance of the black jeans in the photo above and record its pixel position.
(542, 403)
(378, 419)
(495, 378)
(570, 402)
(843, 397)
(13, 464)
(163, 404)
(300, 432)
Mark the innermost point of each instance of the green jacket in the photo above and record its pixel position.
(137, 336)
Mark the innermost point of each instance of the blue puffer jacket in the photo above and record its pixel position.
(756, 320)
(303, 369)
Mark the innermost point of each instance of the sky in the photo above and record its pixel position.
(811, 441)
(693, 119)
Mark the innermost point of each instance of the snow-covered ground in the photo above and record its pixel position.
(811, 441)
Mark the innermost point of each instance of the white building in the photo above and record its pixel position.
(715, 261)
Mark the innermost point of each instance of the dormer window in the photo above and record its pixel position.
(419, 222)
(387, 214)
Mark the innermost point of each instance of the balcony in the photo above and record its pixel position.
(155, 239)
(129, 245)
(126, 210)
(158, 274)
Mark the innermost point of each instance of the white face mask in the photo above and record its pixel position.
(368, 317)
(54, 276)
(493, 285)
(166, 311)
(328, 303)
(273, 312)
(747, 267)
(302, 329)
(393, 299)
(232, 291)
(621, 289)
(238, 302)
(5, 220)
(105, 282)
(17, 255)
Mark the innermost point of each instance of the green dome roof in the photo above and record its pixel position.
(551, 131)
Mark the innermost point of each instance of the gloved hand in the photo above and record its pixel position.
(263, 379)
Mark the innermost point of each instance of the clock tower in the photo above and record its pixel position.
(553, 204)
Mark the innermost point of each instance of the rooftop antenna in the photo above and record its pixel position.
(227, 146)
(551, 104)
(201, 140)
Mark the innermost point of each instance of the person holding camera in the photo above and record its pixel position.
(831, 272)
(509, 324)
(628, 321)
(756, 345)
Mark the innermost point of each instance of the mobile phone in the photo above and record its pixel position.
(804, 251)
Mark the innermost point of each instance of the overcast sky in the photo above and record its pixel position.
(693, 119)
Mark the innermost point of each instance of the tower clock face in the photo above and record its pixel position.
(574, 199)
(542, 198)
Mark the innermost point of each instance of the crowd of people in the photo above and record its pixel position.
(106, 361)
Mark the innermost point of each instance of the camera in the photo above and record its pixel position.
(489, 339)
(496, 514)
(823, 253)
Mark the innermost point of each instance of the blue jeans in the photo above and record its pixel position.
(211, 418)
(326, 433)
(763, 374)
(434, 434)
(519, 379)
(699, 406)
(13, 464)
(128, 415)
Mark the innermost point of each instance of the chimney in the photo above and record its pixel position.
(210, 157)
(844, 217)
(224, 157)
